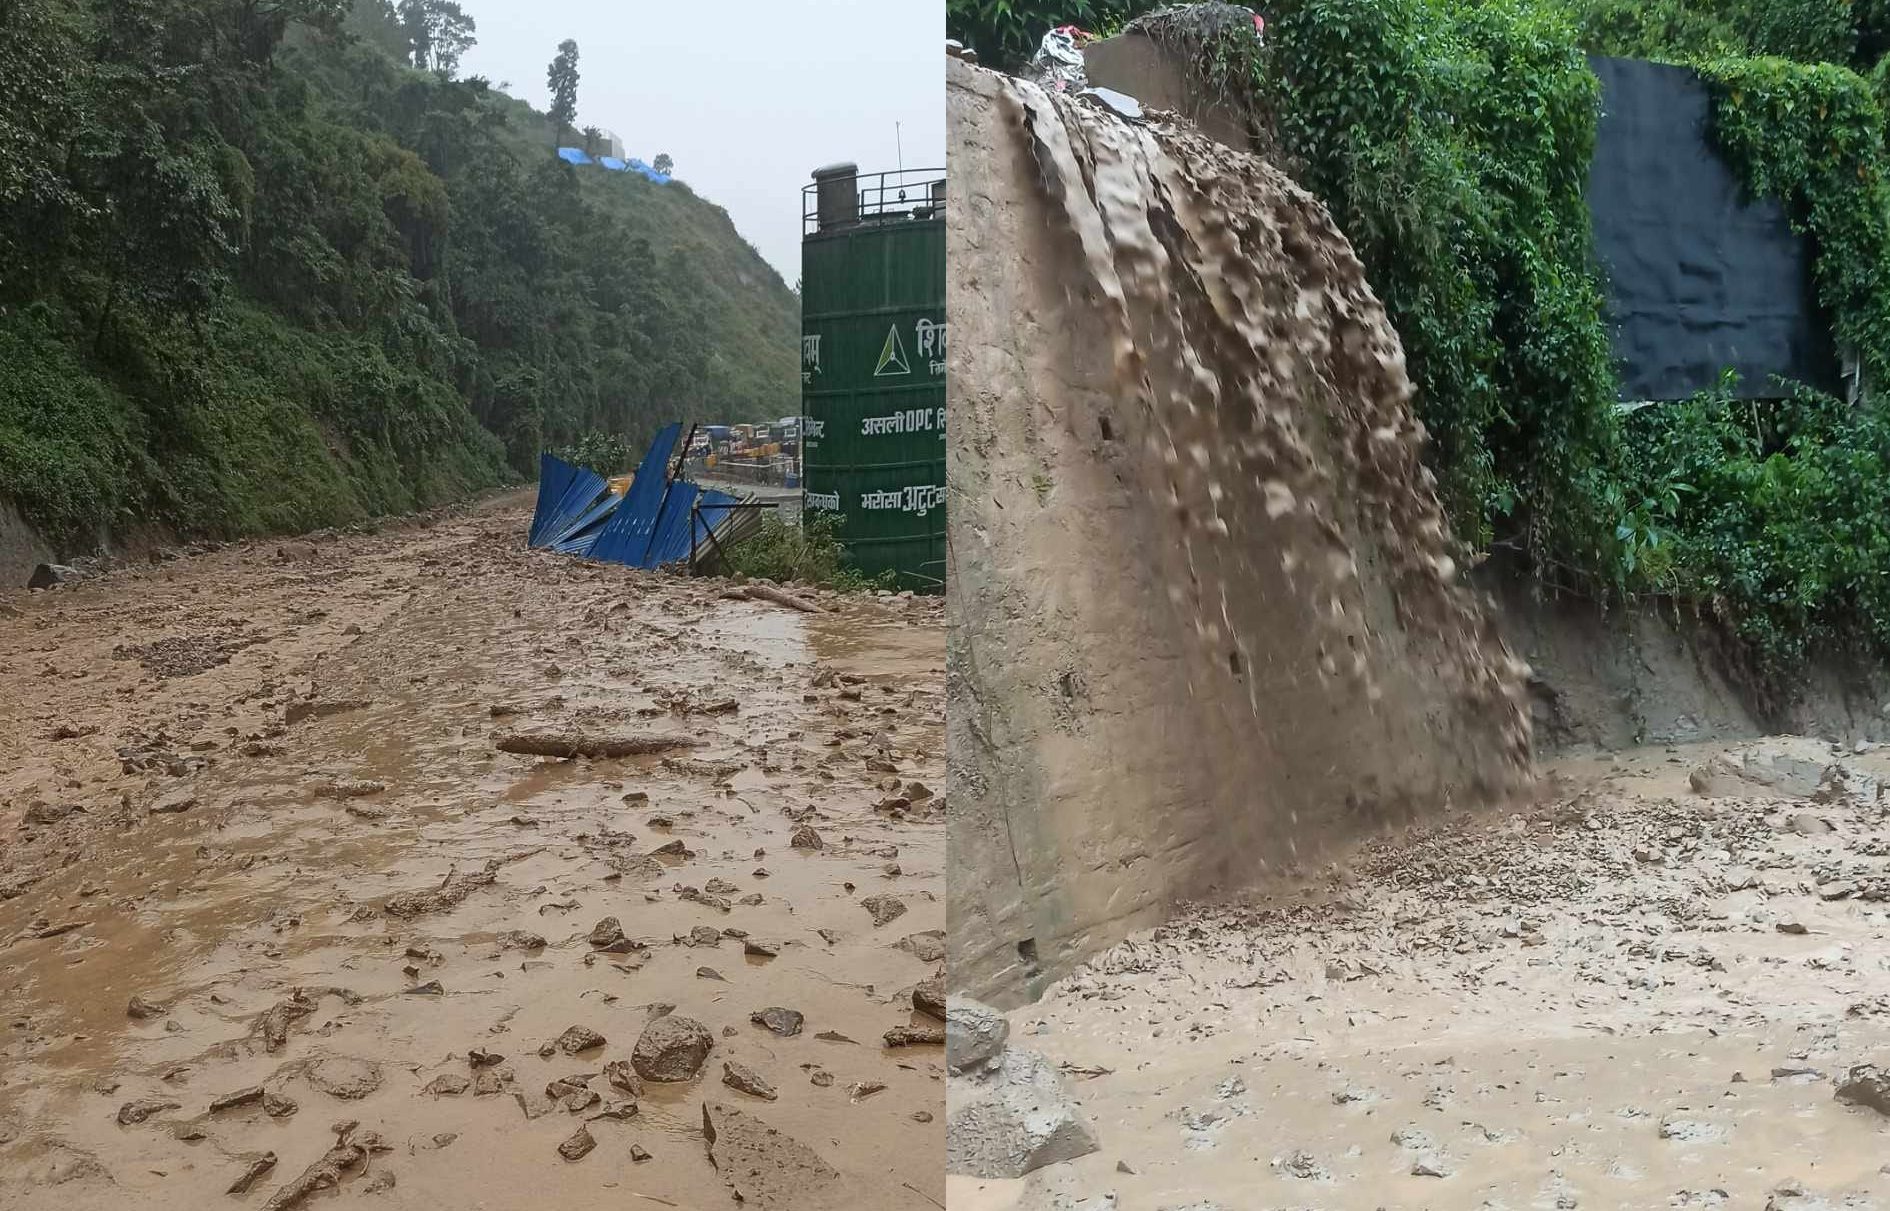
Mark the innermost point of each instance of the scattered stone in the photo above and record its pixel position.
(928, 997)
(975, 1034)
(1430, 1165)
(671, 1048)
(578, 1038)
(137, 1111)
(253, 1173)
(638, 1153)
(242, 1097)
(622, 1075)
(144, 1010)
(884, 908)
(572, 744)
(766, 1170)
(805, 837)
(448, 1084)
(746, 1079)
(928, 947)
(782, 1021)
(578, 1146)
(344, 1077)
(1013, 1119)
(926, 1035)
(1866, 1085)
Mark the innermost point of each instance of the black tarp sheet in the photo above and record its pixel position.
(1699, 277)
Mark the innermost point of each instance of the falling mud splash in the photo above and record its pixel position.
(1221, 623)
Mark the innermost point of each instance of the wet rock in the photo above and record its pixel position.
(578, 1038)
(577, 744)
(50, 575)
(710, 973)
(253, 1173)
(48, 813)
(452, 890)
(928, 947)
(432, 988)
(746, 1079)
(275, 1105)
(916, 1036)
(762, 950)
(1430, 1165)
(622, 1075)
(344, 1077)
(488, 1081)
(884, 908)
(144, 1010)
(607, 933)
(310, 708)
(479, 1057)
(1866, 1085)
(805, 837)
(928, 997)
(242, 1097)
(324, 1174)
(671, 1048)
(766, 1170)
(782, 1021)
(1792, 927)
(519, 939)
(137, 1111)
(380, 1182)
(1011, 1119)
(174, 803)
(975, 1034)
(448, 1084)
(350, 788)
(638, 1153)
(705, 935)
(578, 1146)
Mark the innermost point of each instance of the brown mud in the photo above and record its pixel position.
(1641, 993)
(365, 935)
(1207, 615)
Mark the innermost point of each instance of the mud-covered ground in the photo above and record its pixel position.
(1643, 991)
(257, 844)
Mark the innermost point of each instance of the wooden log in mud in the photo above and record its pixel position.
(767, 592)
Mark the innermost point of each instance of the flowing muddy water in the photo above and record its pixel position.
(281, 751)
(1208, 615)
(1640, 993)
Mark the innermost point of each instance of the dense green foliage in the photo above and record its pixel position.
(608, 454)
(1451, 140)
(809, 551)
(257, 272)
(1775, 516)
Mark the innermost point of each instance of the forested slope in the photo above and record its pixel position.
(257, 272)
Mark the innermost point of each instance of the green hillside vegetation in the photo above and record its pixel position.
(1451, 140)
(260, 273)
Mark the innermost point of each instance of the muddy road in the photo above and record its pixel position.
(268, 888)
(1644, 991)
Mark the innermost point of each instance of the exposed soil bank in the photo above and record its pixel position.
(1203, 619)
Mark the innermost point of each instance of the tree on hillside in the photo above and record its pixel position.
(592, 137)
(438, 32)
(663, 163)
(562, 78)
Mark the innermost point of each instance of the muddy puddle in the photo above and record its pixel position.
(341, 909)
(1643, 991)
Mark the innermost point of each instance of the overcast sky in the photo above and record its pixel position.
(747, 96)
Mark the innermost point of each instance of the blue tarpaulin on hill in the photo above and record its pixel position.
(573, 155)
(646, 527)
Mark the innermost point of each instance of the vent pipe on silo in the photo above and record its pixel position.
(837, 200)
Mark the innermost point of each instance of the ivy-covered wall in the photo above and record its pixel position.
(1452, 138)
